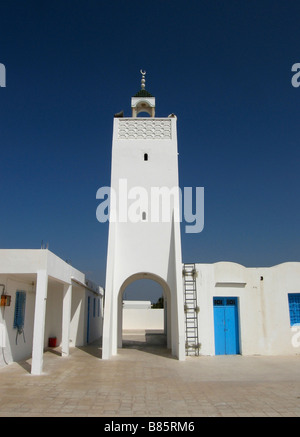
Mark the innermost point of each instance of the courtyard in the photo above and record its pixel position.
(144, 380)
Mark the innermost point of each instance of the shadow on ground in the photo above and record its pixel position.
(149, 342)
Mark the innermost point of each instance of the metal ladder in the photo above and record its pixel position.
(191, 310)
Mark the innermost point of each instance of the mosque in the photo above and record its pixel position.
(209, 309)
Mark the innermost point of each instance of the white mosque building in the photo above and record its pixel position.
(209, 309)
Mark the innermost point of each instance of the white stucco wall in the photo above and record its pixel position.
(95, 317)
(53, 324)
(78, 318)
(15, 348)
(139, 319)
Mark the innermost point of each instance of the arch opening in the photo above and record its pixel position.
(144, 319)
(143, 107)
(144, 113)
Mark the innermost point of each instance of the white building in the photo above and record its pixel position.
(42, 298)
(248, 311)
(231, 309)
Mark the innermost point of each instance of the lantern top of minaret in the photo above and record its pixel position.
(143, 101)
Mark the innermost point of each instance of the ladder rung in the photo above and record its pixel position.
(191, 319)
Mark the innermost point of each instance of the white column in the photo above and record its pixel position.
(66, 319)
(39, 322)
(120, 320)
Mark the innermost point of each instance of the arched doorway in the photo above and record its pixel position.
(139, 325)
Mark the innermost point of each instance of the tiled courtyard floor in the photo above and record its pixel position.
(143, 380)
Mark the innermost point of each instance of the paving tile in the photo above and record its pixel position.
(148, 382)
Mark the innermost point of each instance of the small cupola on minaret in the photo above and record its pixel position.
(143, 101)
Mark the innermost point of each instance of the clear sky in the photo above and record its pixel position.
(223, 67)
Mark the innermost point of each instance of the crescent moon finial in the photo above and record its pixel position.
(143, 81)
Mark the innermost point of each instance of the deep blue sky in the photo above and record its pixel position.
(223, 67)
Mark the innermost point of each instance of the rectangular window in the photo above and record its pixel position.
(98, 307)
(20, 310)
(294, 306)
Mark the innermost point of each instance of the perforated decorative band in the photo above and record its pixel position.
(145, 129)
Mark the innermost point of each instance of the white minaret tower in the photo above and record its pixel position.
(144, 229)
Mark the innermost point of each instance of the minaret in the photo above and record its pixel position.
(144, 230)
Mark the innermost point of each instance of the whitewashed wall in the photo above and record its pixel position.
(53, 322)
(95, 317)
(139, 319)
(14, 347)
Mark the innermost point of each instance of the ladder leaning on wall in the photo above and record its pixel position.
(191, 310)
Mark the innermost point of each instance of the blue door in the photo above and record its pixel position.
(226, 326)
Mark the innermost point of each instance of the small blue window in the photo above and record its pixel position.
(294, 305)
(20, 310)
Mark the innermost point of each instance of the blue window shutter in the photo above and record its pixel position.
(20, 310)
(294, 306)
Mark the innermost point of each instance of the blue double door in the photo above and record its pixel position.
(226, 326)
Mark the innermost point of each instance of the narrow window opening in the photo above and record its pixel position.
(144, 216)
(145, 156)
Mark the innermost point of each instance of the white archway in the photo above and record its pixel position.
(167, 303)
